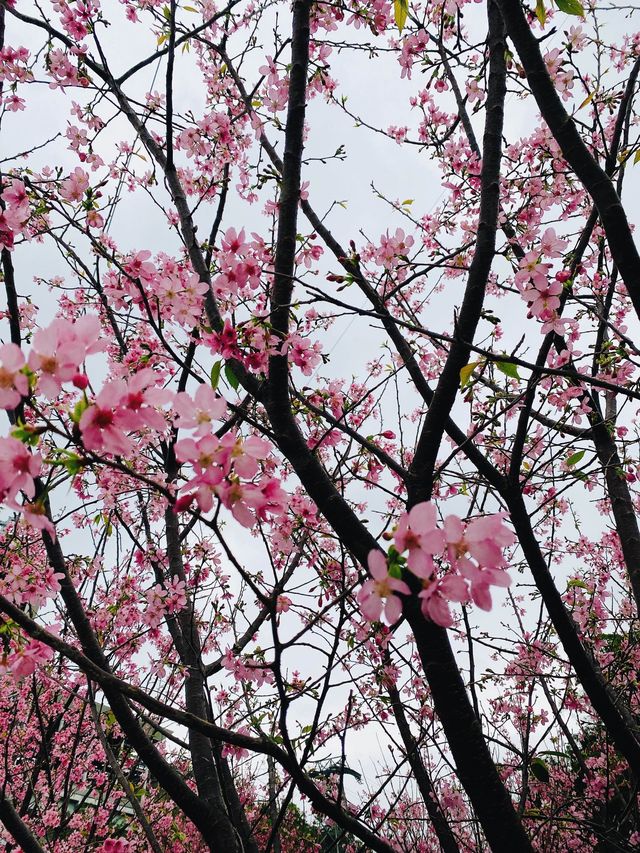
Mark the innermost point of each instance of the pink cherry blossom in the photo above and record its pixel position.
(478, 553)
(552, 246)
(532, 270)
(246, 454)
(14, 385)
(303, 354)
(246, 669)
(87, 331)
(73, 188)
(234, 242)
(233, 496)
(482, 579)
(139, 266)
(225, 343)
(121, 407)
(140, 402)
(114, 845)
(176, 598)
(283, 604)
(15, 196)
(437, 594)
(18, 467)
(266, 498)
(9, 225)
(23, 583)
(483, 539)
(543, 297)
(99, 423)
(28, 658)
(418, 533)
(218, 465)
(202, 454)
(59, 349)
(381, 585)
(199, 411)
(35, 514)
(250, 501)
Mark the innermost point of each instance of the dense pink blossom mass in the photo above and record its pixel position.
(319, 478)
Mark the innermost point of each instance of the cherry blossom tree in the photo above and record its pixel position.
(319, 503)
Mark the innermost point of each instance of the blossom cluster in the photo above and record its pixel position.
(456, 562)
(247, 669)
(538, 289)
(226, 468)
(391, 252)
(412, 46)
(126, 413)
(177, 293)
(14, 213)
(170, 598)
(23, 660)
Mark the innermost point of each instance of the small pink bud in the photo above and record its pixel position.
(80, 380)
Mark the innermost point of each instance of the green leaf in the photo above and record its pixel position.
(576, 457)
(541, 12)
(539, 769)
(215, 374)
(490, 318)
(508, 368)
(231, 378)
(26, 434)
(395, 571)
(73, 464)
(79, 409)
(466, 371)
(587, 100)
(400, 12)
(570, 7)
(555, 753)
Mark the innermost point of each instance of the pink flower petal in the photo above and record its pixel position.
(377, 564)
(393, 609)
